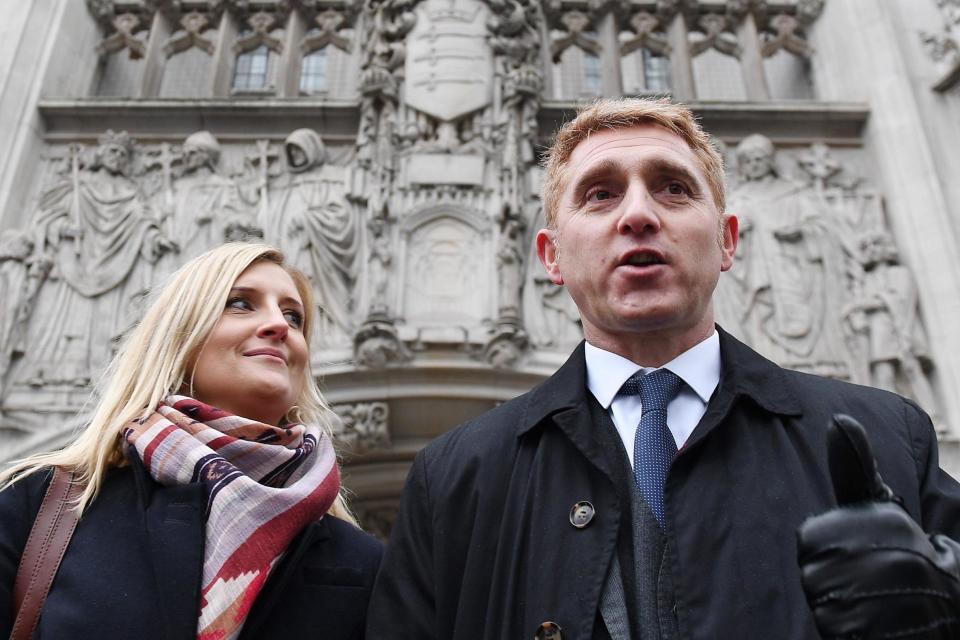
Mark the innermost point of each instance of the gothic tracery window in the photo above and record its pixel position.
(252, 71)
(314, 77)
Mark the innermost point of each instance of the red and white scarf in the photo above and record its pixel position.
(264, 485)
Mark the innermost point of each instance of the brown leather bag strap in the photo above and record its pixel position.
(48, 540)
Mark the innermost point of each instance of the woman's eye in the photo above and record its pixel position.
(238, 303)
(294, 318)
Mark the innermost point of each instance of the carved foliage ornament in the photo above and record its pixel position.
(194, 24)
(126, 25)
(648, 36)
(713, 26)
(576, 23)
(329, 22)
(514, 30)
(262, 23)
(785, 36)
(363, 427)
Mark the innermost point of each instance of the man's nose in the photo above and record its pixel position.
(639, 213)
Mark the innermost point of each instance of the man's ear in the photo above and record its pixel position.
(548, 250)
(729, 237)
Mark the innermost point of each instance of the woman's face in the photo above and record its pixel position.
(252, 364)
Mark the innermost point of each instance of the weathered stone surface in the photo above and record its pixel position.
(405, 185)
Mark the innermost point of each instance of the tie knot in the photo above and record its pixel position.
(655, 389)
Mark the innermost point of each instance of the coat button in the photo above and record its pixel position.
(548, 631)
(581, 514)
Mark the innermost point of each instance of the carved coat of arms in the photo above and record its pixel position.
(449, 65)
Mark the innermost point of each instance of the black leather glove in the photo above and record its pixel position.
(868, 570)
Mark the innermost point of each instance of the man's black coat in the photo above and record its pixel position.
(484, 548)
(133, 568)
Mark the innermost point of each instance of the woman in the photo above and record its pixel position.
(203, 515)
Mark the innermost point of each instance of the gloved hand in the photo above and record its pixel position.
(868, 570)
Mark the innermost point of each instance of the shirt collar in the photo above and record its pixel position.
(698, 366)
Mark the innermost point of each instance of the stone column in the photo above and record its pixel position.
(751, 61)
(681, 64)
(223, 56)
(155, 59)
(288, 80)
(611, 81)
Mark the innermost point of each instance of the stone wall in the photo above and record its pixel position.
(391, 147)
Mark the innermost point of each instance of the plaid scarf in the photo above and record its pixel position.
(264, 484)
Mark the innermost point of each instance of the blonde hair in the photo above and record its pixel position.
(156, 359)
(610, 113)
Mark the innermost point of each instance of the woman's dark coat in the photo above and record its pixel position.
(133, 568)
(484, 549)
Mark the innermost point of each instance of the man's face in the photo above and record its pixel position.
(755, 163)
(297, 156)
(113, 157)
(194, 157)
(638, 241)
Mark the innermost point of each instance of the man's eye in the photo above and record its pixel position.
(676, 189)
(599, 195)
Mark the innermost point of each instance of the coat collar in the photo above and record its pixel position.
(743, 372)
(564, 391)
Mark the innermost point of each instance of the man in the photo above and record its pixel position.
(569, 512)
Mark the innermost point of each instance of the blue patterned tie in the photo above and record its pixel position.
(653, 447)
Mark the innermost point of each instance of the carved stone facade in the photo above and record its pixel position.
(391, 148)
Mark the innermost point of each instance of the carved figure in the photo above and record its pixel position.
(549, 313)
(16, 291)
(102, 239)
(316, 227)
(381, 255)
(510, 270)
(886, 313)
(205, 202)
(788, 279)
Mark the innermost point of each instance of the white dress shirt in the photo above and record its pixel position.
(698, 367)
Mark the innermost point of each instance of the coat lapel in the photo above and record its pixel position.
(280, 578)
(175, 523)
(563, 399)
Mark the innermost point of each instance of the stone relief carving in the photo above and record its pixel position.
(788, 277)
(715, 36)
(125, 27)
(884, 317)
(194, 24)
(96, 229)
(380, 259)
(317, 228)
(201, 206)
(363, 426)
(817, 284)
(648, 34)
(943, 47)
(20, 274)
(550, 314)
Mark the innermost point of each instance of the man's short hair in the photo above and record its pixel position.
(608, 113)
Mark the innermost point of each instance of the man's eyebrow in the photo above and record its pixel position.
(651, 168)
(598, 171)
(286, 299)
(665, 167)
